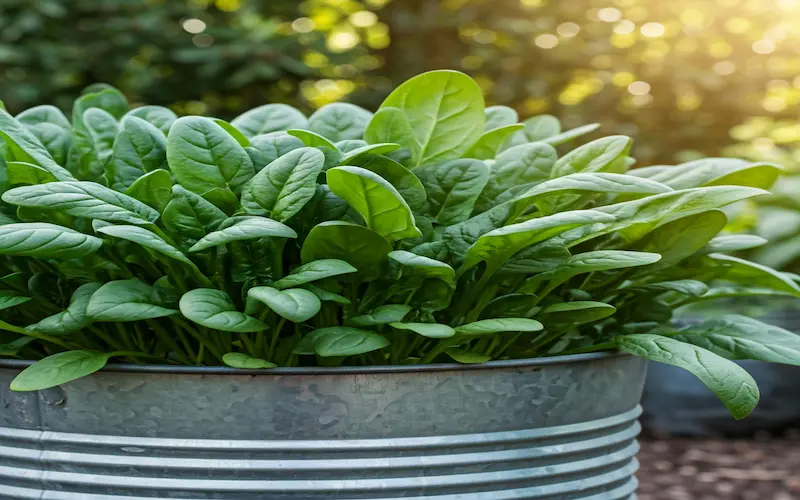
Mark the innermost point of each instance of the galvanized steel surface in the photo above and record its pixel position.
(560, 428)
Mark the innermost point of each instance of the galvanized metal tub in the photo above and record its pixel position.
(556, 428)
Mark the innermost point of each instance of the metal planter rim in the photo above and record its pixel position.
(344, 370)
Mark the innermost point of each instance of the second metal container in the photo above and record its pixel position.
(557, 428)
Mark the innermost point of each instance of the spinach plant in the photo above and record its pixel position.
(432, 230)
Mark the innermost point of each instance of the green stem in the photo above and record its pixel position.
(40, 336)
(275, 334)
(606, 346)
(248, 345)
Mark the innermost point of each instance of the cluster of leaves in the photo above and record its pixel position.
(433, 230)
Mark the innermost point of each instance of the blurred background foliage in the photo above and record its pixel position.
(686, 77)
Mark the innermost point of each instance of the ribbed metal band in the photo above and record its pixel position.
(591, 460)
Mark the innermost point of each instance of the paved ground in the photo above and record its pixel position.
(764, 468)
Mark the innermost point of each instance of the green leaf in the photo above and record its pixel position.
(444, 112)
(282, 188)
(586, 183)
(575, 313)
(730, 382)
(203, 156)
(430, 330)
(541, 127)
(51, 127)
(716, 172)
(147, 239)
(733, 243)
(9, 298)
(214, 309)
(467, 357)
(12, 348)
(453, 188)
(748, 273)
(269, 118)
(83, 199)
(407, 265)
(499, 116)
(692, 288)
(314, 271)
(382, 315)
(325, 295)
(460, 237)
(58, 369)
(571, 134)
(25, 146)
(313, 140)
(243, 228)
(45, 241)
(371, 149)
(126, 300)
(390, 125)
(683, 237)
(154, 189)
(383, 208)
(71, 320)
(139, 148)
(295, 304)
(20, 172)
(233, 132)
(245, 362)
(338, 341)
(404, 181)
(189, 217)
(162, 118)
(266, 148)
(498, 325)
(490, 143)
(359, 246)
(597, 156)
(589, 262)
(339, 121)
(101, 129)
(739, 337)
(497, 246)
(514, 171)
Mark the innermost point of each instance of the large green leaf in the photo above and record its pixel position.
(282, 188)
(407, 265)
(515, 171)
(269, 118)
(266, 148)
(443, 110)
(74, 318)
(354, 156)
(243, 228)
(739, 337)
(453, 188)
(430, 330)
(126, 300)
(154, 189)
(83, 199)
(571, 134)
(339, 121)
(215, 309)
(499, 116)
(575, 313)
(601, 155)
(683, 237)
(203, 156)
(339, 341)
(59, 369)
(147, 239)
(490, 143)
(729, 381)
(138, 148)
(25, 146)
(313, 271)
(733, 243)
(159, 116)
(189, 217)
(295, 304)
(51, 127)
(45, 241)
(498, 325)
(749, 274)
(382, 315)
(357, 245)
(716, 172)
(459, 237)
(404, 181)
(382, 207)
(589, 262)
(497, 246)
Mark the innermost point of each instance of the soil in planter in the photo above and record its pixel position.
(763, 468)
